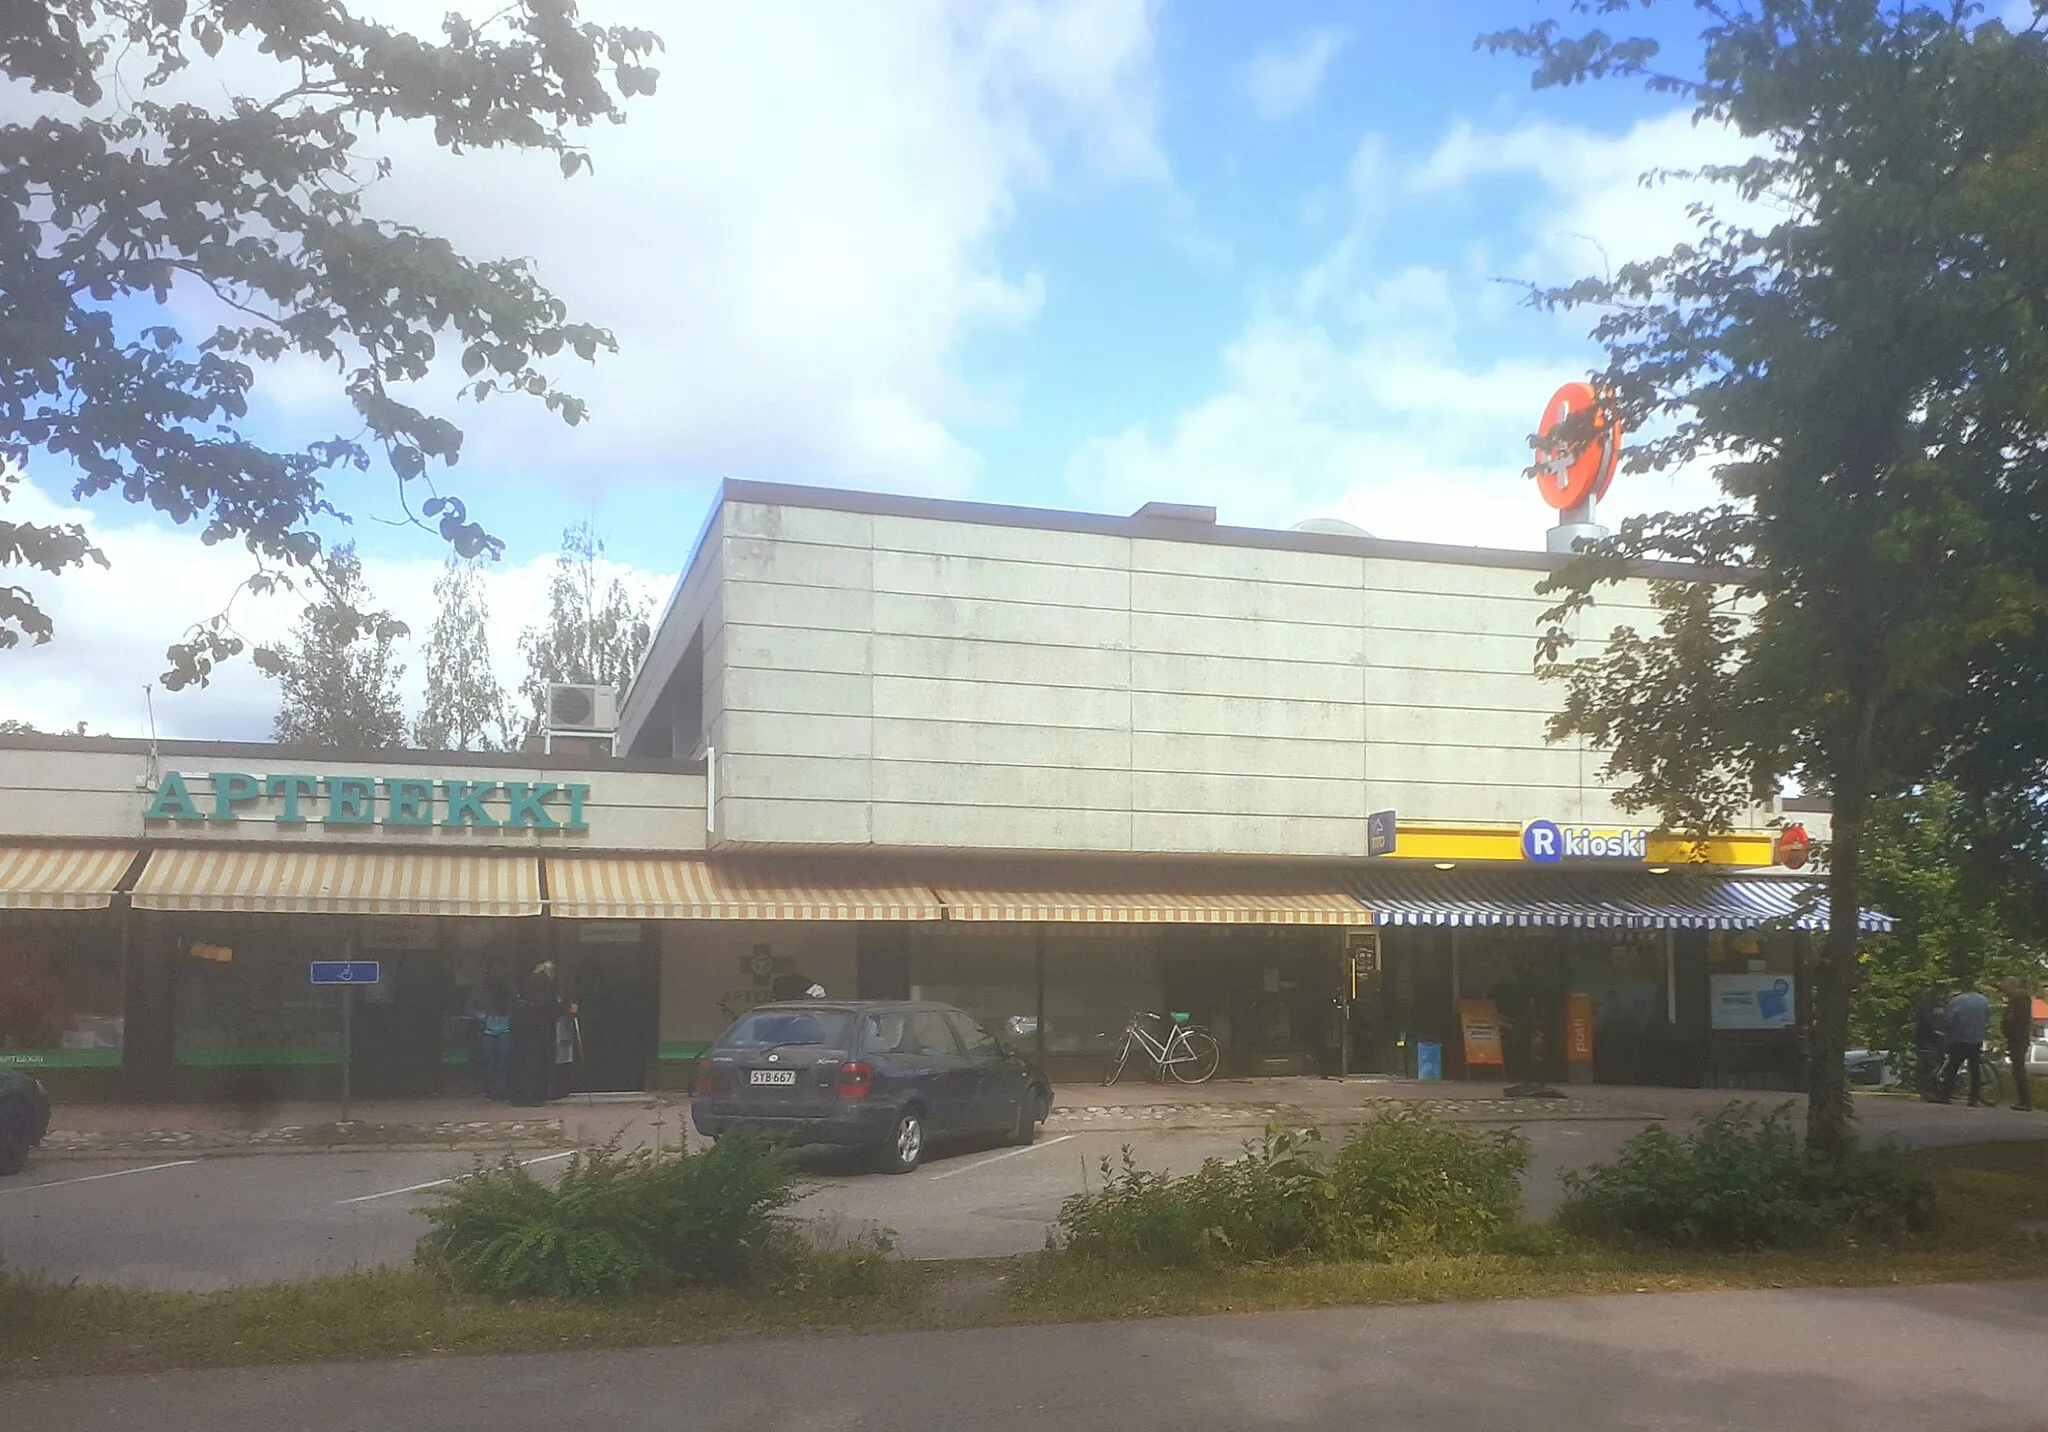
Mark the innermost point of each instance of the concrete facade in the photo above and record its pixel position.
(907, 674)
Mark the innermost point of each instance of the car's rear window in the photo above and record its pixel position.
(766, 1027)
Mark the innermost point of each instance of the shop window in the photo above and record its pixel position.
(1095, 975)
(987, 970)
(60, 990)
(1737, 952)
(241, 997)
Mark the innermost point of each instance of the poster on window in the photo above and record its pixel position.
(1752, 1001)
(1479, 1022)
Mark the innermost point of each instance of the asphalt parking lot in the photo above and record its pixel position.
(211, 1222)
(200, 1221)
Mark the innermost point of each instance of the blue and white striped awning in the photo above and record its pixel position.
(1601, 900)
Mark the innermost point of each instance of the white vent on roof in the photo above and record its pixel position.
(1331, 527)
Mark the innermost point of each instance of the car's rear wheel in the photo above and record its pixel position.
(16, 1136)
(905, 1149)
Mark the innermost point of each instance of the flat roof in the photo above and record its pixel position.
(403, 756)
(1154, 527)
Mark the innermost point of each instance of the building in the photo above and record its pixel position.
(1050, 766)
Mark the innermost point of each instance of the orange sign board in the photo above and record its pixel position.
(1578, 1027)
(1479, 1020)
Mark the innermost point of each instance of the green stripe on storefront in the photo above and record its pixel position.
(60, 1058)
(272, 1058)
(682, 1052)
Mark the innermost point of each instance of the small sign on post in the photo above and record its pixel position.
(348, 974)
(1380, 833)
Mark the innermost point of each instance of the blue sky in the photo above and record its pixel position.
(1069, 253)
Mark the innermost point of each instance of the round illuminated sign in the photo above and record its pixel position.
(1578, 444)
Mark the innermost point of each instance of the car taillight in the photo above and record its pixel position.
(707, 1080)
(856, 1080)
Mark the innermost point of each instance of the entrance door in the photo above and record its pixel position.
(397, 1025)
(616, 1002)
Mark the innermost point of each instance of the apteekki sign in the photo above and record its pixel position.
(372, 800)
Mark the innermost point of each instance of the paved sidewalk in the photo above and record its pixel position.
(1930, 1359)
(1238, 1104)
(108, 1130)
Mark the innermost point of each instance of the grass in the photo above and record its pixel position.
(1994, 1199)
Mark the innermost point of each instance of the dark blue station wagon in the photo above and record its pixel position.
(889, 1075)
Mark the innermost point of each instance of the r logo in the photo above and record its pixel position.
(1542, 841)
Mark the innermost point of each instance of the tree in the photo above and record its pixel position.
(1951, 930)
(465, 708)
(140, 184)
(10, 726)
(597, 630)
(338, 676)
(1868, 374)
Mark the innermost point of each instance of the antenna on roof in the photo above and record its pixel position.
(149, 707)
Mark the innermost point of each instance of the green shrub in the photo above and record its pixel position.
(1740, 1179)
(1402, 1182)
(614, 1224)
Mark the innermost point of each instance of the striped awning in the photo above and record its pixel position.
(61, 877)
(597, 888)
(340, 882)
(1145, 895)
(1621, 900)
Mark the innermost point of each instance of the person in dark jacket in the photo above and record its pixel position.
(1928, 1045)
(534, 1014)
(2018, 1028)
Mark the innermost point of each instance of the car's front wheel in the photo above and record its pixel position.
(1031, 1113)
(13, 1153)
(905, 1149)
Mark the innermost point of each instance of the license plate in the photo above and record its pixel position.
(773, 1076)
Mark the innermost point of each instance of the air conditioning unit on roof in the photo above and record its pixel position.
(582, 710)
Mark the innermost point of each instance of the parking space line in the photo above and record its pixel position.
(441, 1182)
(95, 1177)
(998, 1158)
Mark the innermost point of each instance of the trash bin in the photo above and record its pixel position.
(1429, 1060)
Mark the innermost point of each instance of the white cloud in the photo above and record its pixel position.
(1593, 199)
(1283, 79)
(795, 235)
(1396, 400)
(113, 627)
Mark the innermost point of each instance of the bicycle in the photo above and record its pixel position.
(1188, 1051)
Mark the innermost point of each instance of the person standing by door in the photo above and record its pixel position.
(1968, 1018)
(533, 1038)
(2018, 1028)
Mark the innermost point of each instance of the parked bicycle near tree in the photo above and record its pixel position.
(1189, 1052)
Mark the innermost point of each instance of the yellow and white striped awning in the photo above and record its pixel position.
(1144, 895)
(596, 888)
(61, 877)
(340, 882)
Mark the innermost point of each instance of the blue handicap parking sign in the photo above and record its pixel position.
(345, 972)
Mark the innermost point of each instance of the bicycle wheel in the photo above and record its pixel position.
(1123, 1057)
(1196, 1060)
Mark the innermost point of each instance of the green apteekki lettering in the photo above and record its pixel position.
(354, 800)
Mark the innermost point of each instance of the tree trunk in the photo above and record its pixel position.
(1828, 1121)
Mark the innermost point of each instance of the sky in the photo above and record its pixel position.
(1062, 253)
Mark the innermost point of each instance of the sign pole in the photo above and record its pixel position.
(348, 1044)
